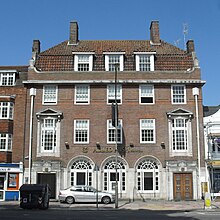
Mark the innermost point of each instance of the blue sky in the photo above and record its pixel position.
(22, 21)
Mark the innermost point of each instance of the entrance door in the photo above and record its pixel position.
(182, 186)
(2, 182)
(50, 179)
(113, 181)
(81, 178)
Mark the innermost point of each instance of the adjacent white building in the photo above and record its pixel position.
(212, 148)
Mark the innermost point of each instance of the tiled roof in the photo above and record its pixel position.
(18, 68)
(60, 57)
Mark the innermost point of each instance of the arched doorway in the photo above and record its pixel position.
(109, 175)
(148, 175)
(81, 172)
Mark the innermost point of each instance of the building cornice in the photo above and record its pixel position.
(163, 81)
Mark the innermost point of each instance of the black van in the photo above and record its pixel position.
(34, 196)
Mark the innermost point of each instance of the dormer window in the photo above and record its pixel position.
(7, 78)
(111, 59)
(83, 62)
(144, 61)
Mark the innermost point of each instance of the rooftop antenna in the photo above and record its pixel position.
(185, 32)
(177, 42)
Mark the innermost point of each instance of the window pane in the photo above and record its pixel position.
(48, 138)
(7, 79)
(178, 94)
(113, 59)
(5, 142)
(179, 127)
(112, 131)
(81, 131)
(6, 110)
(146, 94)
(82, 94)
(147, 130)
(144, 63)
(148, 181)
(111, 93)
(50, 94)
(83, 62)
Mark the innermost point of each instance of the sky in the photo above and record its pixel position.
(22, 21)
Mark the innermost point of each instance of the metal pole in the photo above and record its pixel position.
(32, 94)
(116, 140)
(196, 94)
(97, 197)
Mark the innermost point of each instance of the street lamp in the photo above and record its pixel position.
(196, 94)
(32, 95)
(115, 112)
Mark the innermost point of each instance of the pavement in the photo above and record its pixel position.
(159, 205)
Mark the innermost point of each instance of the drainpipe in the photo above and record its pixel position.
(196, 94)
(32, 95)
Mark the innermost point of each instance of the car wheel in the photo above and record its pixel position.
(70, 200)
(106, 200)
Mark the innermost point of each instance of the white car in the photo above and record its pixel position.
(83, 193)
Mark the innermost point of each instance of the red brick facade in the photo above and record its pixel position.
(68, 162)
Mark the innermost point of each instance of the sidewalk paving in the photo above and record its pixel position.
(161, 205)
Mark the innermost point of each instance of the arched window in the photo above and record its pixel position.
(148, 175)
(81, 172)
(110, 175)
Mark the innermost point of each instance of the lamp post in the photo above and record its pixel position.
(116, 138)
(32, 95)
(196, 94)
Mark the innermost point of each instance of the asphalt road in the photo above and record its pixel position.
(54, 214)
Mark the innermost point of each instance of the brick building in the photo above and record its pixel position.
(159, 110)
(12, 129)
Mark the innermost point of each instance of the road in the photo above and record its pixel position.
(66, 214)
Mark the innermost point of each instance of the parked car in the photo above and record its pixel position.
(84, 194)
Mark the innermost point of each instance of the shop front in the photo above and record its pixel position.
(10, 180)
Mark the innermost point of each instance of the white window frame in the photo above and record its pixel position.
(9, 77)
(52, 130)
(121, 60)
(137, 60)
(150, 126)
(77, 61)
(113, 129)
(109, 172)
(81, 165)
(7, 139)
(50, 101)
(111, 96)
(155, 176)
(41, 116)
(7, 107)
(188, 129)
(83, 129)
(176, 137)
(85, 98)
(149, 95)
(173, 94)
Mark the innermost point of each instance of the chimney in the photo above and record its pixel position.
(190, 46)
(154, 32)
(36, 46)
(73, 39)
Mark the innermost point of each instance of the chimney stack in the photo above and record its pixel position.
(154, 32)
(73, 38)
(190, 46)
(36, 46)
